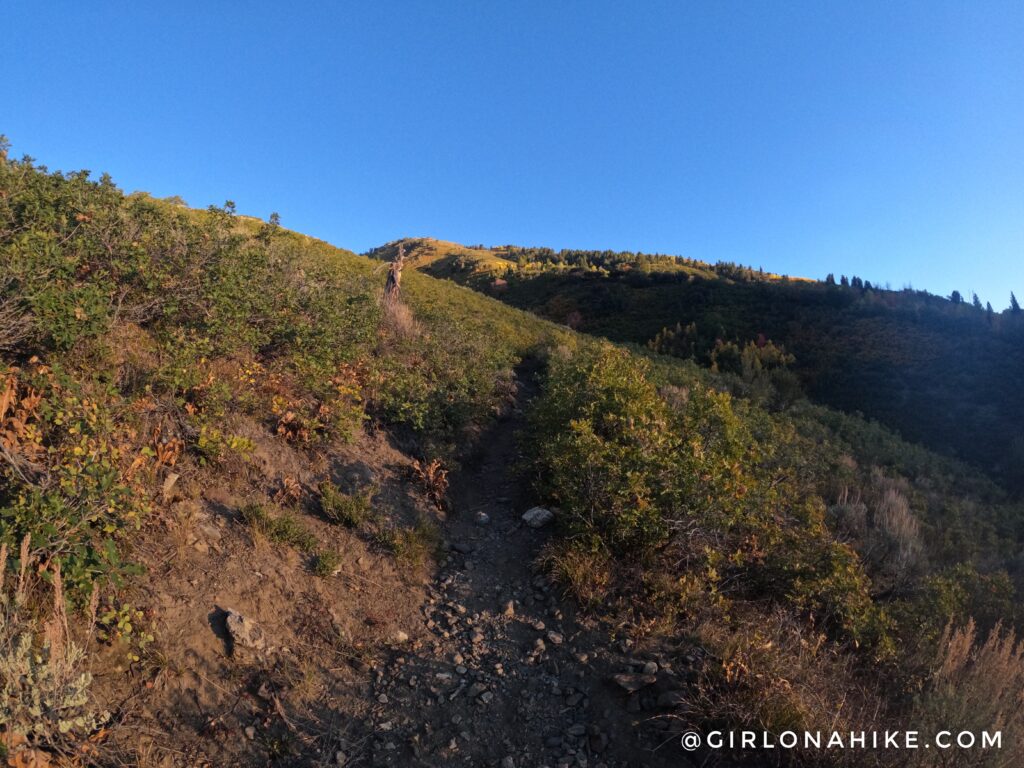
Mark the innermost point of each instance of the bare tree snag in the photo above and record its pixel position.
(393, 286)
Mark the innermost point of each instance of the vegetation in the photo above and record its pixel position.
(755, 538)
(350, 510)
(941, 372)
(794, 552)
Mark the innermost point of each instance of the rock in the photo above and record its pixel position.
(651, 668)
(555, 638)
(250, 732)
(340, 758)
(633, 682)
(598, 742)
(475, 690)
(359, 476)
(508, 762)
(538, 517)
(482, 518)
(167, 490)
(486, 697)
(672, 699)
(245, 633)
(577, 730)
(383, 698)
(462, 547)
(509, 609)
(476, 637)
(401, 637)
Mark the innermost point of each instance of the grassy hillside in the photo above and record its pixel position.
(795, 566)
(941, 373)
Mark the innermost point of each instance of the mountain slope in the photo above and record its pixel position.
(941, 373)
(267, 506)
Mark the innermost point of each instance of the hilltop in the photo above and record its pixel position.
(942, 372)
(255, 512)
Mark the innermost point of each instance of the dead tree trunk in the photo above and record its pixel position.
(393, 286)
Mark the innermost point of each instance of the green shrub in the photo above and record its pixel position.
(284, 528)
(326, 563)
(351, 511)
(602, 439)
(415, 545)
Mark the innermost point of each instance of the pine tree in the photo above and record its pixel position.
(956, 298)
(976, 301)
(1014, 306)
(830, 279)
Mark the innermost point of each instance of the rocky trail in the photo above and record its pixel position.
(477, 661)
(509, 675)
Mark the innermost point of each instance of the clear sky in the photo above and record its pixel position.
(883, 139)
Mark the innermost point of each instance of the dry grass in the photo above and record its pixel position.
(414, 546)
(399, 320)
(976, 686)
(586, 576)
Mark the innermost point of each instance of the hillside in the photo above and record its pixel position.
(255, 512)
(941, 373)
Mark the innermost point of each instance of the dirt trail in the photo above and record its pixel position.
(477, 663)
(509, 676)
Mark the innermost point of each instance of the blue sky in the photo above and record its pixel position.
(883, 139)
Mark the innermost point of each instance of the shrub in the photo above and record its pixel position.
(44, 702)
(348, 510)
(434, 478)
(414, 545)
(605, 449)
(326, 563)
(64, 475)
(285, 528)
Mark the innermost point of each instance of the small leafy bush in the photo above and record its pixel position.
(350, 510)
(326, 563)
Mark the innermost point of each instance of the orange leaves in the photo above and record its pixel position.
(164, 451)
(20, 440)
(291, 428)
(289, 493)
(20, 755)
